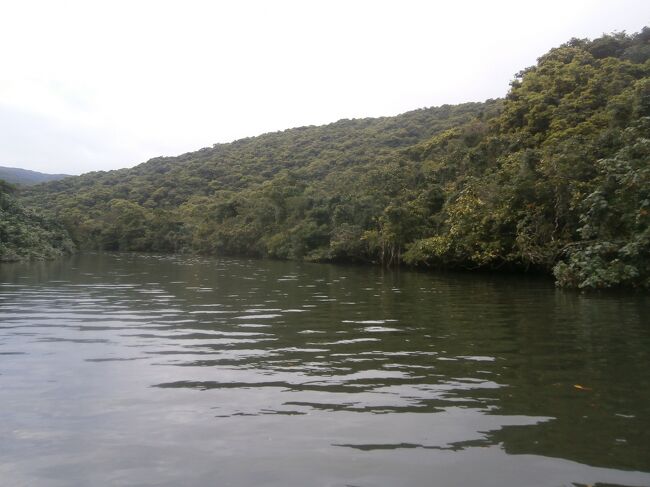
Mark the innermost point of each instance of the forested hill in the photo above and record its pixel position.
(555, 178)
(228, 198)
(16, 175)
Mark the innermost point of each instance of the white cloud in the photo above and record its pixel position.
(114, 83)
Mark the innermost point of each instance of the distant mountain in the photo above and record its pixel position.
(15, 175)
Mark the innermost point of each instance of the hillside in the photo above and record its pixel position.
(15, 175)
(553, 178)
(178, 203)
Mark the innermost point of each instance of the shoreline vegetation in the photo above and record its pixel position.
(554, 178)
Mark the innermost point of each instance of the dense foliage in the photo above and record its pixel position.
(560, 179)
(26, 235)
(554, 178)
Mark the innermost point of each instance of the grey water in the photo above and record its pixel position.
(124, 369)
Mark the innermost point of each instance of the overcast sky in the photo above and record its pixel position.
(88, 85)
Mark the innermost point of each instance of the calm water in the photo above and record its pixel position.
(144, 370)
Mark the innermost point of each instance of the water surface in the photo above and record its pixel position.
(122, 369)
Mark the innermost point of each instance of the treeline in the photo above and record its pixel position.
(27, 235)
(554, 178)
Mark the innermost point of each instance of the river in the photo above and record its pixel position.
(126, 369)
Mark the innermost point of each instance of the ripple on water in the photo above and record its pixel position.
(257, 364)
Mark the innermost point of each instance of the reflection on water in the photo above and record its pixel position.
(147, 370)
